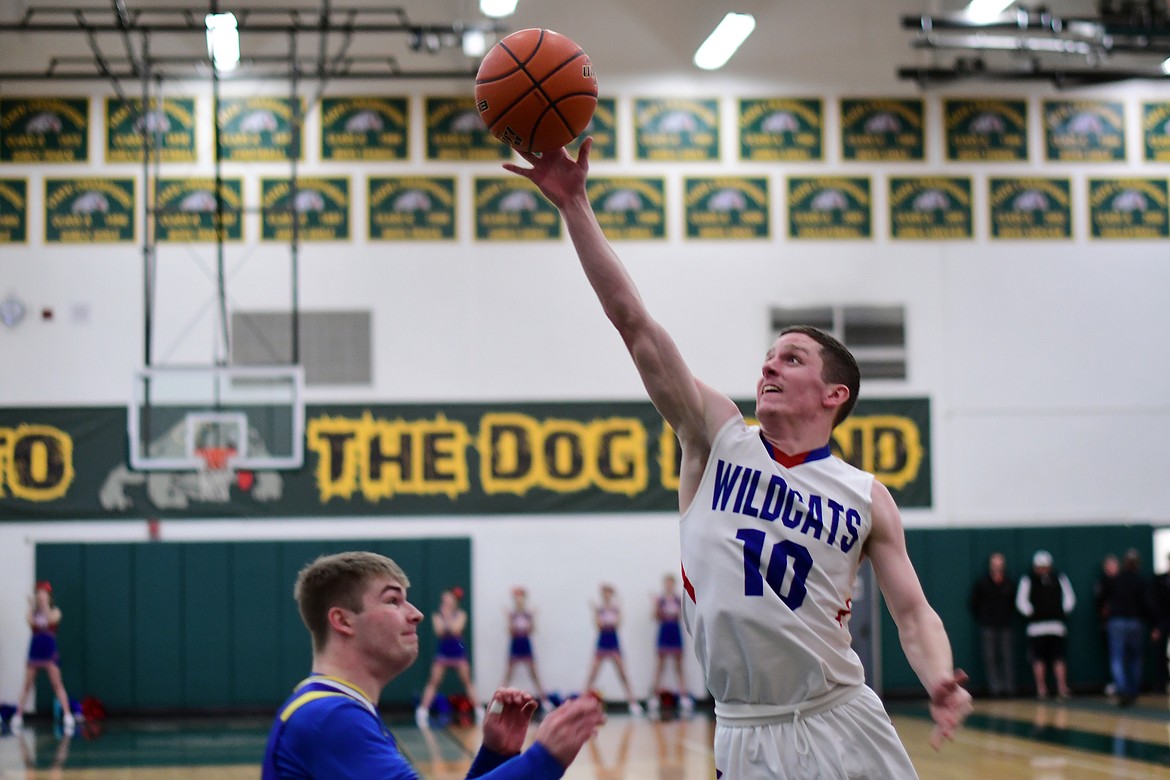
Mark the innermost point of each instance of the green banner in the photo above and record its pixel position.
(365, 128)
(1156, 131)
(603, 128)
(930, 207)
(676, 129)
(89, 210)
(1128, 209)
(512, 209)
(883, 129)
(44, 129)
(186, 210)
(986, 129)
(782, 129)
(629, 208)
(1030, 208)
(13, 211)
(455, 131)
(830, 207)
(321, 206)
(425, 459)
(261, 128)
(727, 207)
(169, 128)
(411, 208)
(1084, 131)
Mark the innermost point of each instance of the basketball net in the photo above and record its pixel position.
(215, 474)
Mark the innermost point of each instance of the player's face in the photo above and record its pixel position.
(387, 626)
(790, 381)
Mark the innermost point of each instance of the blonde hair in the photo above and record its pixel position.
(338, 581)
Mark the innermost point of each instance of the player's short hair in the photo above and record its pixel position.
(338, 581)
(840, 367)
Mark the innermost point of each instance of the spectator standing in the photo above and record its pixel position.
(992, 602)
(1045, 598)
(1122, 602)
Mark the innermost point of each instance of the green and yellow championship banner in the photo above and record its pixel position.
(411, 208)
(512, 209)
(883, 129)
(13, 211)
(186, 210)
(603, 127)
(1156, 131)
(455, 131)
(320, 206)
(727, 207)
(1030, 208)
(1084, 131)
(260, 129)
(419, 460)
(781, 129)
(830, 208)
(1128, 209)
(89, 210)
(985, 129)
(365, 128)
(44, 129)
(676, 129)
(629, 208)
(166, 132)
(930, 208)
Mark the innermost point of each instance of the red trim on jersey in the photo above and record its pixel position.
(788, 461)
(687, 586)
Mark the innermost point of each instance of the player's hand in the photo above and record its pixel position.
(950, 704)
(556, 174)
(567, 728)
(505, 724)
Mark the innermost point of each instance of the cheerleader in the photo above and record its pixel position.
(43, 618)
(521, 623)
(448, 623)
(668, 613)
(608, 616)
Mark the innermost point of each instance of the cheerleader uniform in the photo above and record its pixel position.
(670, 640)
(520, 627)
(42, 649)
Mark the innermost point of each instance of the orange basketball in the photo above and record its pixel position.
(535, 90)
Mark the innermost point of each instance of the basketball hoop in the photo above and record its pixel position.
(215, 473)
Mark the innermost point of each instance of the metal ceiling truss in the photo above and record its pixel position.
(335, 28)
(1129, 39)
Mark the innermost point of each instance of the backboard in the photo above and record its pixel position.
(187, 418)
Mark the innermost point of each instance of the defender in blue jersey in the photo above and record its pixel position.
(772, 532)
(365, 633)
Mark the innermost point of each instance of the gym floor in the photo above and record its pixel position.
(1085, 738)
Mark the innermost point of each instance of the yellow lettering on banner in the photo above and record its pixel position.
(36, 462)
(887, 446)
(383, 458)
(519, 453)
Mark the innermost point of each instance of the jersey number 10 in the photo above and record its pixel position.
(754, 575)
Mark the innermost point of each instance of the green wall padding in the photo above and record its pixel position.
(949, 561)
(213, 626)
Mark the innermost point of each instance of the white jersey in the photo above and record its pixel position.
(770, 551)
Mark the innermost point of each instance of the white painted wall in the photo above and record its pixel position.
(1046, 363)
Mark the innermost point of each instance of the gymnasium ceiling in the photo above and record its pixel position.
(621, 36)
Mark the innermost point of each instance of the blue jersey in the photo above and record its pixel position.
(329, 729)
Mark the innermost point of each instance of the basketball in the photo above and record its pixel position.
(535, 90)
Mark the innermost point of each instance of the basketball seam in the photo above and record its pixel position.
(552, 104)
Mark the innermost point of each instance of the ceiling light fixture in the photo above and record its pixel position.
(986, 10)
(223, 41)
(474, 42)
(724, 40)
(497, 9)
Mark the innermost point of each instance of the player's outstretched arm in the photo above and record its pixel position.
(920, 630)
(694, 410)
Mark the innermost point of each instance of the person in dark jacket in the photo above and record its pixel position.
(992, 602)
(1122, 604)
(1045, 598)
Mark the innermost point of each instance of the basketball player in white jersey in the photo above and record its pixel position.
(773, 530)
